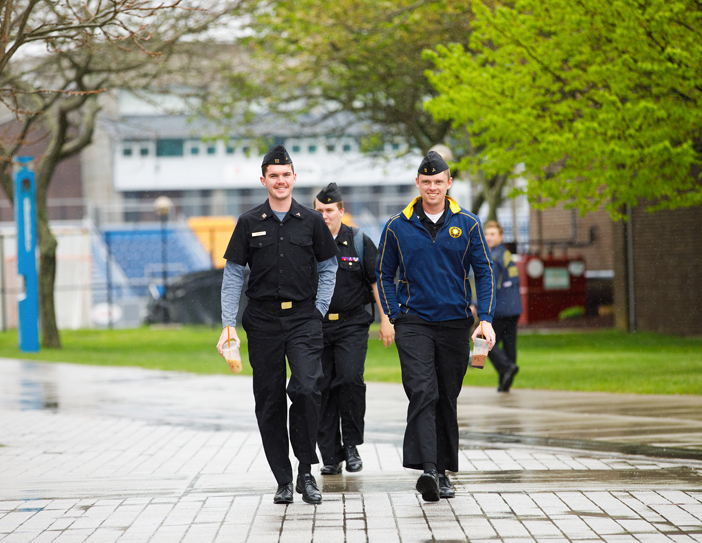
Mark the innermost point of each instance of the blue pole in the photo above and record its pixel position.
(26, 221)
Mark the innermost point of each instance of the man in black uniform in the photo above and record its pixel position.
(346, 339)
(284, 245)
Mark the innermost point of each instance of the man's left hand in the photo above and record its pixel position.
(487, 331)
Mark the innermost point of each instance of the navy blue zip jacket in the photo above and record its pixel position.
(509, 301)
(434, 274)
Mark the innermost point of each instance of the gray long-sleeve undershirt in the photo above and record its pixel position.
(233, 282)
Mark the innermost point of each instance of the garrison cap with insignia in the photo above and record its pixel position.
(276, 155)
(330, 194)
(432, 164)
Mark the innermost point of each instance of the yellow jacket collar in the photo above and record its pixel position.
(407, 212)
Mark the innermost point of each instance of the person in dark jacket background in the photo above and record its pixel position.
(507, 309)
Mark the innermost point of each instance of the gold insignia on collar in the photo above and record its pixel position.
(455, 232)
(263, 216)
(346, 243)
(298, 213)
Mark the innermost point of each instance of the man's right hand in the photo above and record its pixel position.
(387, 331)
(231, 334)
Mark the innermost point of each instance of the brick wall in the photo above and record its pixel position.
(556, 224)
(66, 182)
(667, 270)
(620, 285)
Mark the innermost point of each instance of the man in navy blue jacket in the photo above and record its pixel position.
(507, 309)
(433, 243)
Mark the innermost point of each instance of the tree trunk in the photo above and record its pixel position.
(47, 274)
(478, 201)
(491, 192)
(494, 199)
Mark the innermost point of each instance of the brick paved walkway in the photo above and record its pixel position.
(102, 455)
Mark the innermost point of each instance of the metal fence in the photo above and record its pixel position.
(114, 261)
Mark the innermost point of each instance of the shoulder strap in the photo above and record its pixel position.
(358, 243)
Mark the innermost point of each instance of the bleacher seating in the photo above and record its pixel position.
(119, 283)
(138, 252)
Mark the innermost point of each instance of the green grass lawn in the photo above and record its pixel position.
(607, 361)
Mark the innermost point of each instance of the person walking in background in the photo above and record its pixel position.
(292, 258)
(345, 329)
(433, 243)
(507, 309)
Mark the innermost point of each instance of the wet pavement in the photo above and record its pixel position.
(105, 454)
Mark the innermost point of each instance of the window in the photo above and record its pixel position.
(395, 146)
(246, 150)
(230, 150)
(296, 148)
(169, 147)
(194, 150)
(330, 148)
(211, 149)
(347, 147)
(127, 151)
(144, 151)
(312, 148)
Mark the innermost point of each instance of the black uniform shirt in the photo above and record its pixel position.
(431, 227)
(350, 288)
(282, 256)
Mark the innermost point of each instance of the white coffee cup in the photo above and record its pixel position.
(230, 352)
(481, 348)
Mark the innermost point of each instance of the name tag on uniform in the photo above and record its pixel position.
(255, 234)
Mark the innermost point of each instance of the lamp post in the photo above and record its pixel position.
(163, 206)
(444, 151)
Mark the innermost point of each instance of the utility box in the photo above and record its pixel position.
(26, 221)
(550, 285)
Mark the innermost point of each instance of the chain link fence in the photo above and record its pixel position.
(117, 263)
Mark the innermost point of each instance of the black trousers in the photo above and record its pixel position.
(343, 388)
(506, 333)
(273, 335)
(434, 359)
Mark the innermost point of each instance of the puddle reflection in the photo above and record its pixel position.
(38, 390)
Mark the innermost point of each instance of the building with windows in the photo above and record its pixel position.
(152, 153)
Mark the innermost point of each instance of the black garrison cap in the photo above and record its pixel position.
(432, 164)
(329, 194)
(276, 155)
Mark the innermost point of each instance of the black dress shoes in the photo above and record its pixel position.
(284, 494)
(446, 489)
(307, 486)
(353, 459)
(507, 378)
(331, 469)
(428, 486)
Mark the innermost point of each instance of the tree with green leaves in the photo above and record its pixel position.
(89, 47)
(359, 58)
(599, 99)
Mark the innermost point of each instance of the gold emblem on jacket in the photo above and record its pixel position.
(455, 232)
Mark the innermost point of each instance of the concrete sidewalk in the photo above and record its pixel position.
(95, 454)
